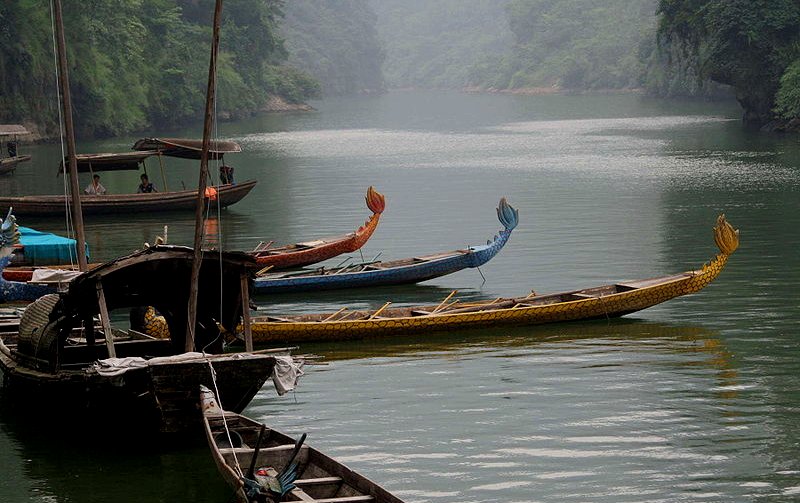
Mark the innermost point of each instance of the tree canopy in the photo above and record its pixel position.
(336, 42)
(136, 64)
(751, 45)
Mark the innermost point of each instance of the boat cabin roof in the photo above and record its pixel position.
(187, 148)
(159, 277)
(12, 130)
(109, 162)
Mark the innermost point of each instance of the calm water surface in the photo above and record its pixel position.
(694, 400)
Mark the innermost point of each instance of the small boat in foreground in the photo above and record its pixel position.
(311, 252)
(59, 359)
(606, 301)
(395, 272)
(260, 463)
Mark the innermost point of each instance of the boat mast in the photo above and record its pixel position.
(66, 103)
(201, 188)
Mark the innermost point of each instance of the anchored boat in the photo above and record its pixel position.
(311, 252)
(605, 301)
(262, 464)
(166, 200)
(396, 272)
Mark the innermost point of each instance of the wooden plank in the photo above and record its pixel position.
(248, 331)
(345, 499)
(321, 481)
(104, 319)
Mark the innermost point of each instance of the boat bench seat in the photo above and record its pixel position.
(584, 296)
(420, 312)
(321, 481)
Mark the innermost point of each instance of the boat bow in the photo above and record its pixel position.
(509, 217)
(376, 203)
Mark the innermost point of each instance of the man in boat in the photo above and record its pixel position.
(146, 187)
(226, 174)
(95, 188)
(12, 148)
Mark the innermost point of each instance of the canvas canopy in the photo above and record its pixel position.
(44, 248)
(12, 130)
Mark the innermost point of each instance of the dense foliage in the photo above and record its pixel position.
(580, 44)
(751, 45)
(433, 44)
(136, 64)
(336, 42)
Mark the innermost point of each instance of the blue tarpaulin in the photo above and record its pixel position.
(43, 248)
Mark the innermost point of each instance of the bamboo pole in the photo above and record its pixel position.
(201, 188)
(69, 131)
(248, 331)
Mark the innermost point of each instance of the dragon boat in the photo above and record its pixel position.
(263, 465)
(311, 252)
(396, 272)
(605, 301)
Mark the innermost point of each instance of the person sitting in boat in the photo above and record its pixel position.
(12, 148)
(146, 187)
(95, 188)
(226, 174)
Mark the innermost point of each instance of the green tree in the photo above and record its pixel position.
(747, 44)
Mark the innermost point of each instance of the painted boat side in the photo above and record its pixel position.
(618, 304)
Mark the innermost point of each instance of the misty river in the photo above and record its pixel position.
(693, 400)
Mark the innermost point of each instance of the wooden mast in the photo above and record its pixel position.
(66, 103)
(201, 188)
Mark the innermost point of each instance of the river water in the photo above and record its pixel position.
(693, 400)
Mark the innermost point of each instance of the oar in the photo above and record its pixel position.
(251, 471)
(444, 301)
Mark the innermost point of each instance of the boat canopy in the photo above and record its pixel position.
(44, 248)
(187, 148)
(109, 162)
(157, 276)
(12, 130)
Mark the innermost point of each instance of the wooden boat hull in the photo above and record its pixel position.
(413, 270)
(320, 477)
(311, 252)
(9, 164)
(160, 398)
(601, 302)
(183, 200)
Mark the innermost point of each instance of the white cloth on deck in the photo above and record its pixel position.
(285, 374)
(53, 276)
(117, 366)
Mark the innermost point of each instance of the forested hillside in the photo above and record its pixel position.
(753, 46)
(433, 44)
(572, 44)
(137, 64)
(336, 42)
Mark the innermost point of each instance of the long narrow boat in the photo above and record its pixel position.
(238, 443)
(166, 200)
(9, 164)
(606, 301)
(396, 272)
(311, 252)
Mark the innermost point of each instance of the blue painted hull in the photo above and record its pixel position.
(411, 271)
(17, 291)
